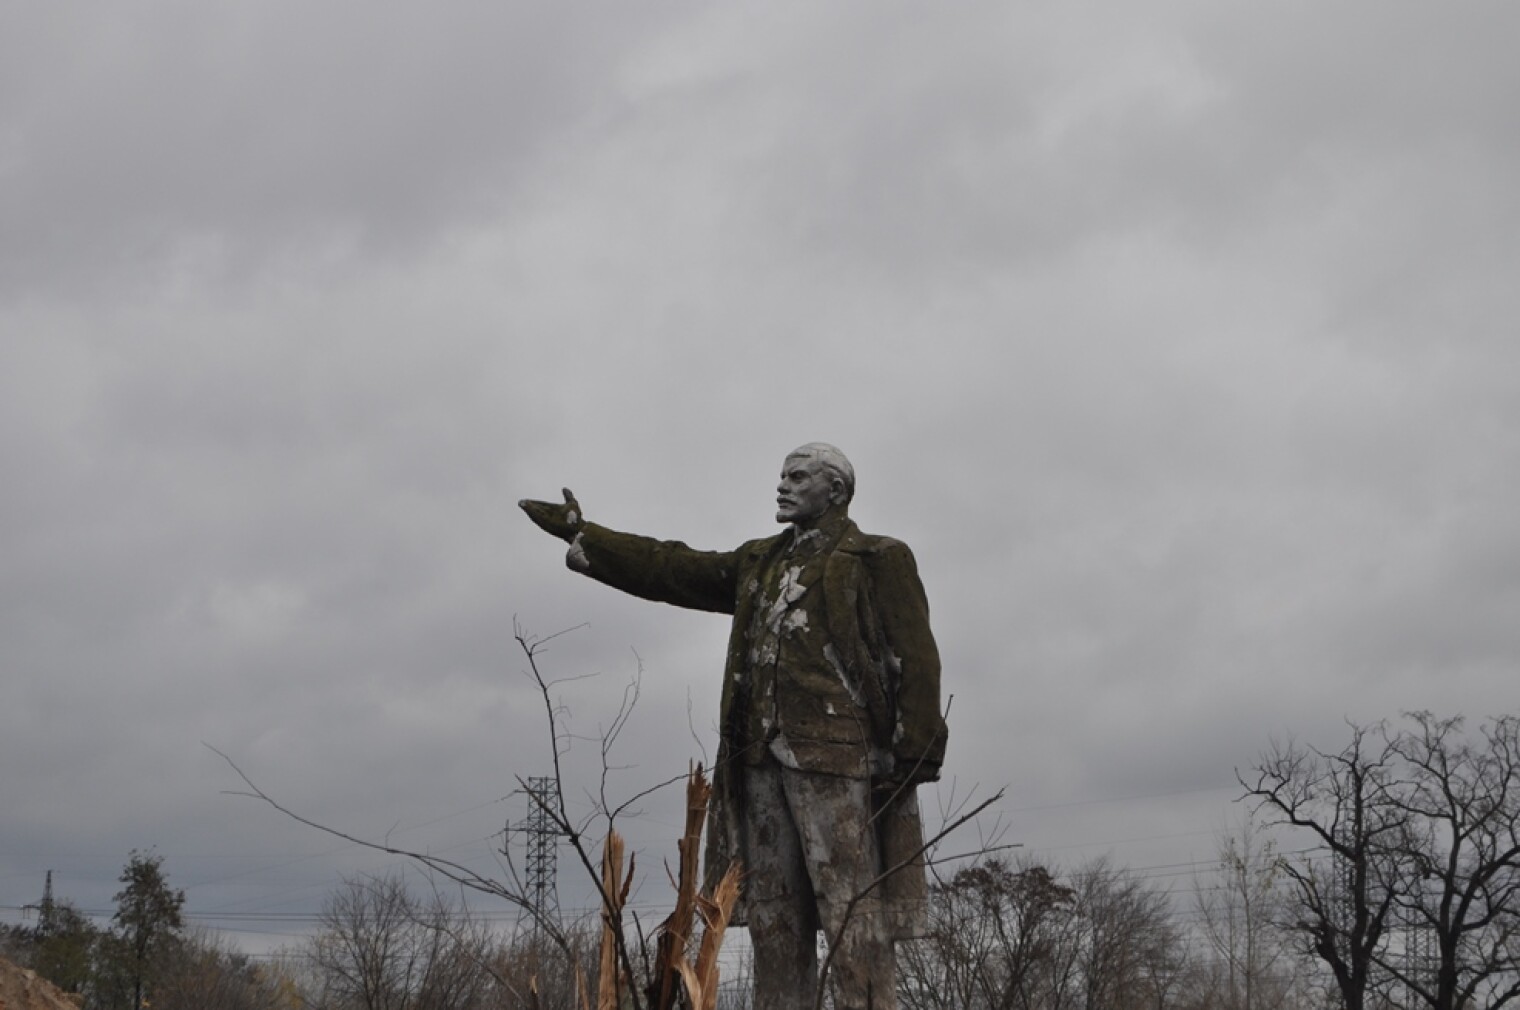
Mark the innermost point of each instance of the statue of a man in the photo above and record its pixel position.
(830, 719)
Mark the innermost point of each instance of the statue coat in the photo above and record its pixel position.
(877, 618)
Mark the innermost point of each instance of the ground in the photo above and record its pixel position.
(23, 989)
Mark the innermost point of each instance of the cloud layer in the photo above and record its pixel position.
(1176, 343)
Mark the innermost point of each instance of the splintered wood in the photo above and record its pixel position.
(675, 973)
(700, 980)
(610, 980)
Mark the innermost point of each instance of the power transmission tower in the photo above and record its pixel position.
(541, 862)
(1422, 962)
(1342, 899)
(47, 923)
(47, 912)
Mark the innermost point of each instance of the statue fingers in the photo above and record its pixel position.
(573, 512)
(562, 521)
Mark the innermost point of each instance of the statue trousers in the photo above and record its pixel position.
(811, 848)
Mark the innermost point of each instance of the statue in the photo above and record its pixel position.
(830, 719)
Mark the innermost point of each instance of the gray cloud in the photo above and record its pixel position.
(1174, 343)
(144, 138)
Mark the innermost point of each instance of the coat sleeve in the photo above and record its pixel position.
(918, 742)
(666, 571)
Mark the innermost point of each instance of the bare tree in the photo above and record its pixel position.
(1343, 889)
(381, 948)
(1022, 938)
(991, 925)
(1241, 919)
(1412, 890)
(205, 973)
(1127, 943)
(1460, 853)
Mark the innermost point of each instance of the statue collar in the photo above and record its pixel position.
(820, 539)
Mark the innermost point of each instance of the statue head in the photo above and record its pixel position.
(816, 481)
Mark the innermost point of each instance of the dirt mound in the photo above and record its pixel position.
(23, 989)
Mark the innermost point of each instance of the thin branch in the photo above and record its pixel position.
(457, 872)
(863, 893)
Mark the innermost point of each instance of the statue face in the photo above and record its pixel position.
(806, 490)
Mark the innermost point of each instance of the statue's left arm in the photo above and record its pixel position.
(918, 743)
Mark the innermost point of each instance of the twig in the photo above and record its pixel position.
(855, 899)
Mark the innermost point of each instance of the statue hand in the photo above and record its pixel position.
(563, 521)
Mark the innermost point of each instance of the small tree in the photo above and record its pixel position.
(61, 947)
(146, 925)
(65, 951)
(1241, 920)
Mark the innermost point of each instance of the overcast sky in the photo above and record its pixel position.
(1177, 339)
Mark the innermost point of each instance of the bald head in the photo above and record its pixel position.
(816, 479)
(832, 460)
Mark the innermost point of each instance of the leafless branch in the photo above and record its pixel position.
(879, 879)
(447, 868)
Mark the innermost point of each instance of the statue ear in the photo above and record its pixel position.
(837, 492)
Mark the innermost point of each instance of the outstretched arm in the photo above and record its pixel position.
(663, 570)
